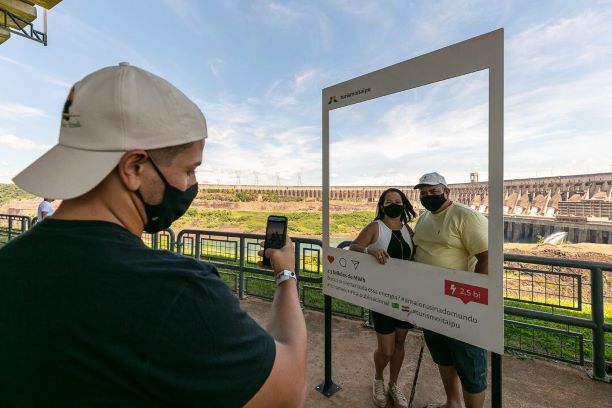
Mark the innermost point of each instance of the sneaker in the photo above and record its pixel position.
(379, 396)
(398, 397)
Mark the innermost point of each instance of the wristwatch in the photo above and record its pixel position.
(284, 276)
(365, 251)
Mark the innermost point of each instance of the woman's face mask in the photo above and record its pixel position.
(393, 210)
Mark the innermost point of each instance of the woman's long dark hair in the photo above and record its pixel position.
(407, 215)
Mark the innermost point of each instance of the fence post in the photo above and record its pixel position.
(155, 241)
(597, 312)
(241, 278)
(198, 246)
(297, 266)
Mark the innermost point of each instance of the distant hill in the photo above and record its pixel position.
(10, 192)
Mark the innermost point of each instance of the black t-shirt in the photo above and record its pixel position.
(90, 316)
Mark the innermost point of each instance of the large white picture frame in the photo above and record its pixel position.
(424, 284)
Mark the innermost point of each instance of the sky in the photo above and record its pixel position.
(257, 68)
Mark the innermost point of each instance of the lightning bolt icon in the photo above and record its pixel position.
(452, 288)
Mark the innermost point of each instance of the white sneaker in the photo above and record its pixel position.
(379, 396)
(398, 397)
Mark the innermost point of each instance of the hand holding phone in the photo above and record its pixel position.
(276, 235)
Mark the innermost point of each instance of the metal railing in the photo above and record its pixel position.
(12, 225)
(549, 312)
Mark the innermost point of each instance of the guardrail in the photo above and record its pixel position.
(12, 225)
(549, 312)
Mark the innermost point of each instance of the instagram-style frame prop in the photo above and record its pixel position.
(463, 305)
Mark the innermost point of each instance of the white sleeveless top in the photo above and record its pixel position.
(384, 237)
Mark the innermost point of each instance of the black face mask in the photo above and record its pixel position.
(433, 202)
(173, 205)
(393, 210)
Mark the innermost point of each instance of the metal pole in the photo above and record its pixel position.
(496, 380)
(597, 310)
(198, 246)
(328, 388)
(297, 266)
(241, 272)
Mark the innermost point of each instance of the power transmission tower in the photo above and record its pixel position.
(299, 178)
(277, 179)
(237, 177)
(256, 177)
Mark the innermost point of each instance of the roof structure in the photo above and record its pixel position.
(17, 17)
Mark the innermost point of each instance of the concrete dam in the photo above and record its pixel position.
(580, 205)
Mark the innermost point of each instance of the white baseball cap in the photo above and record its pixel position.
(431, 179)
(106, 114)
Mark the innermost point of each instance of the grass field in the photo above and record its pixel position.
(301, 223)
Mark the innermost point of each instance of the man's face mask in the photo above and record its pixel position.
(393, 210)
(173, 205)
(433, 202)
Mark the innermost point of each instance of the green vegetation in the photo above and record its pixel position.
(300, 223)
(554, 344)
(230, 195)
(10, 192)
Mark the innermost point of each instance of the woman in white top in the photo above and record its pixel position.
(388, 236)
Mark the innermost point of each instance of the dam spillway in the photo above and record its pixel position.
(580, 205)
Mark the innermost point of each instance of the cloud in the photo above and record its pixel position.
(20, 143)
(284, 11)
(37, 73)
(215, 66)
(17, 111)
(187, 12)
(562, 44)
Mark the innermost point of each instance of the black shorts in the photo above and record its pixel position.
(469, 361)
(386, 325)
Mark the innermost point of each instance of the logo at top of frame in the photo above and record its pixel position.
(334, 99)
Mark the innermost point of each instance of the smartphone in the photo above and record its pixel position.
(276, 234)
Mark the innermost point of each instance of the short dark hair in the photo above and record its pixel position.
(407, 215)
(165, 155)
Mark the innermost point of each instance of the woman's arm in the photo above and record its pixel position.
(366, 237)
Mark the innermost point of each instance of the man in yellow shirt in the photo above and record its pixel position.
(452, 235)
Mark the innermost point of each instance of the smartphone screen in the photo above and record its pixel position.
(276, 234)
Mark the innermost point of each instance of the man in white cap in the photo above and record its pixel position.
(452, 235)
(92, 317)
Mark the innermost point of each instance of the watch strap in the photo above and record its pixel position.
(284, 276)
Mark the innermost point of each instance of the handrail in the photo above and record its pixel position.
(596, 323)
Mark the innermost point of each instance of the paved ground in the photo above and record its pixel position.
(527, 383)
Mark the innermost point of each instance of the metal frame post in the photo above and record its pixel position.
(496, 380)
(328, 388)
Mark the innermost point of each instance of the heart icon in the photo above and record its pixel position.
(330, 258)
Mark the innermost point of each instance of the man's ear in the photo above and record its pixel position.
(130, 168)
(447, 192)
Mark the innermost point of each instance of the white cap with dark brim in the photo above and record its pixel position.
(107, 113)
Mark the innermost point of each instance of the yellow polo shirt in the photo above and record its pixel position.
(450, 239)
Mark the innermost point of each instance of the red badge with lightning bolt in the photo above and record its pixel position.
(466, 293)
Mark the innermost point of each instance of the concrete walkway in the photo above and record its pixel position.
(527, 383)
